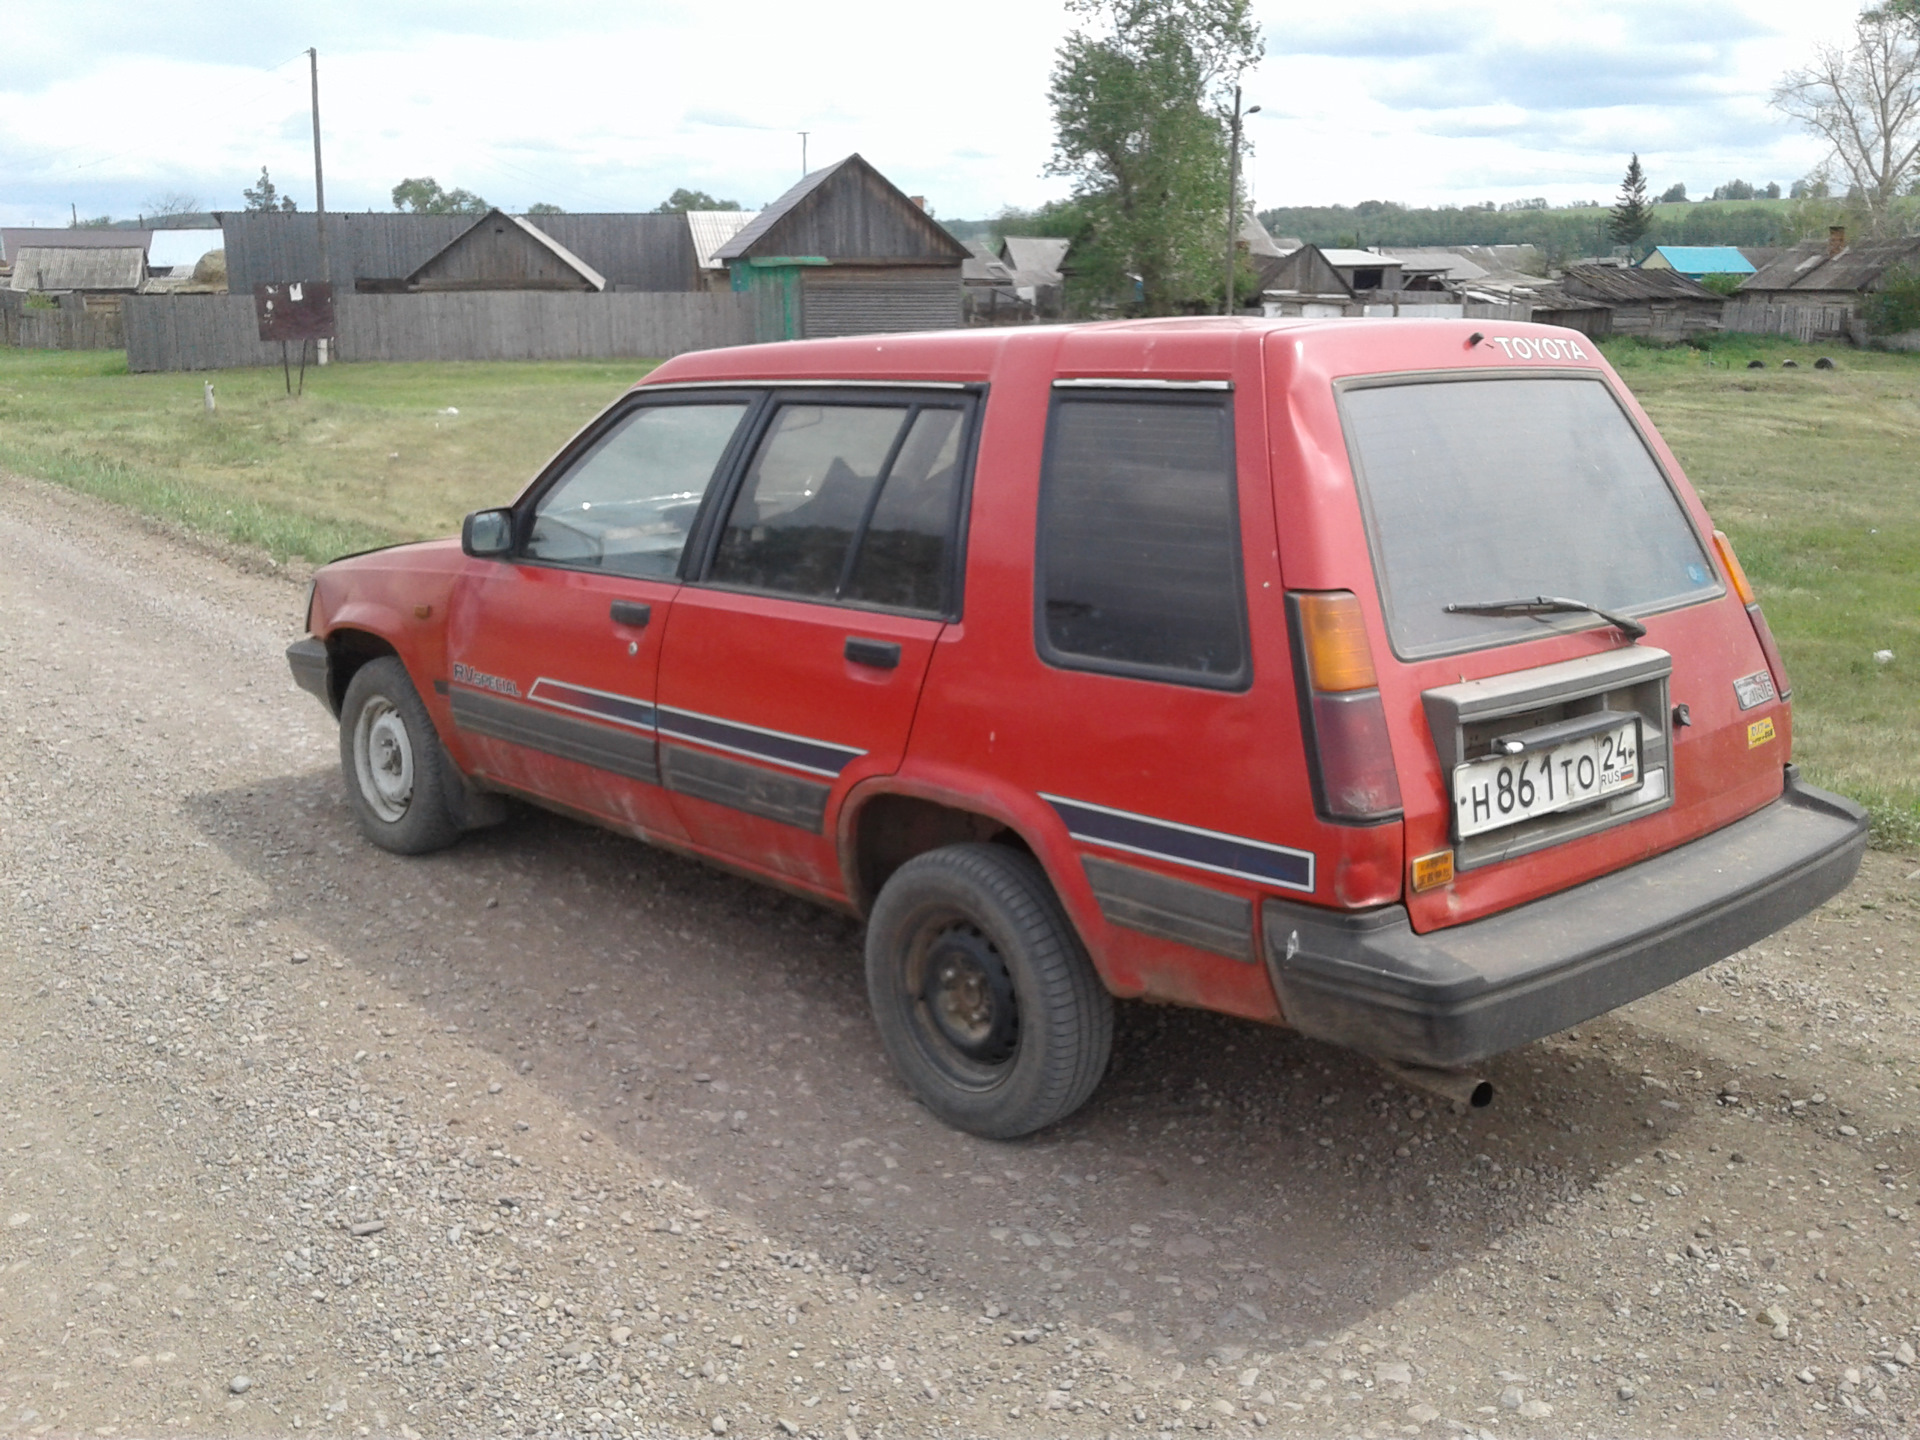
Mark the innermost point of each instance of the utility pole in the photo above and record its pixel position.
(319, 182)
(1233, 199)
(803, 152)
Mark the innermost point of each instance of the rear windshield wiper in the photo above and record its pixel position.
(1549, 605)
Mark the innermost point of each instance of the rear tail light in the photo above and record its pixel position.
(1737, 576)
(1354, 777)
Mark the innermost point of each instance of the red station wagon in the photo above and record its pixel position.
(1383, 679)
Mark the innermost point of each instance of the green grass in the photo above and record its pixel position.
(1811, 473)
(366, 457)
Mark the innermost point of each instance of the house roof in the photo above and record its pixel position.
(1357, 259)
(1623, 286)
(1449, 263)
(79, 237)
(1699, 260)
(68, 268)
(566, 257)
(1035, 259)
(983, 267)
(787, 215)
(1254, 236)
(1305, 271)
(713, 228)
(1808, 267)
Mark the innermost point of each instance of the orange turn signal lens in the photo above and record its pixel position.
(1334, 633)
(1731, 564)
(1432, 871)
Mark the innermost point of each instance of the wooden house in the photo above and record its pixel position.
(1655, 304)
(505, 252)
(846, 252)
(1814, 291)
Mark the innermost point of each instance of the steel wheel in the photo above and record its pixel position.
(985, 999)
(383, 759)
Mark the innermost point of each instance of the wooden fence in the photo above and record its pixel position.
(60, 322)
(218, 332)
(1805, 322)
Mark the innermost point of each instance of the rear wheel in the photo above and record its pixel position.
(391, 756)
(985, 998)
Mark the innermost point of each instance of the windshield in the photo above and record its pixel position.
(1483, 489)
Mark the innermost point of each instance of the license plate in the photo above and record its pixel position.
(1507, 789)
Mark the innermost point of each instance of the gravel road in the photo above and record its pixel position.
(555, 1135)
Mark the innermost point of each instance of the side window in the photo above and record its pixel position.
(849, 502)
(1139, 543)
(627, 504)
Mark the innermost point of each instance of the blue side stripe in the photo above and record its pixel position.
(817, 757)
(1186, 845)
(600, 704)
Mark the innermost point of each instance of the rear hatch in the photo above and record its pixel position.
(1538, 745)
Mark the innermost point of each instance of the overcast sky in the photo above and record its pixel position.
(106, 104)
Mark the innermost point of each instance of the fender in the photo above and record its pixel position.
(1022, 812)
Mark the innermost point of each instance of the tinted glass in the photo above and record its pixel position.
(1139, 540)
(905, 556)
(805, 497)
(1500, 489)
(627, 504)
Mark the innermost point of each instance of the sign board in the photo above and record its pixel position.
(296, 310)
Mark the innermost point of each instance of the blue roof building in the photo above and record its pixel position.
(1693, 261)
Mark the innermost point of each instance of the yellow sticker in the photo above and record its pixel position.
(1759, 733)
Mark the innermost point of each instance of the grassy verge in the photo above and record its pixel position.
(369, 455)
(1809, 471)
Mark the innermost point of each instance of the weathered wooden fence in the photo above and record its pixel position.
(1806, 322)
(218, 332)
(60, 322)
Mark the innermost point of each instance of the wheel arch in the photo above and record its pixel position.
(348, 648)
(888, 820)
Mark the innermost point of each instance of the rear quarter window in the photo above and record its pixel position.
(1139, 539)
(1507, 487)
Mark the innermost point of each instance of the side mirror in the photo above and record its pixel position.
(487, 533)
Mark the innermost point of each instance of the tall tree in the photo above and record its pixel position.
(422, 195)
(266, 195)
(1632, 215)
(1864, 101)
(683, 200)
(1138, 96)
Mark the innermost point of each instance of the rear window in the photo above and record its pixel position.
(1499, 489)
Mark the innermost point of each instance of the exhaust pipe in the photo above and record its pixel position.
(1464, 1087)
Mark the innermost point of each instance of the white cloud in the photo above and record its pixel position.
(599, 106)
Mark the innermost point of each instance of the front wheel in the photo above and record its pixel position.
(391, 756)
(986, 1000)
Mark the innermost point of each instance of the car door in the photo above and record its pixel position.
(791, 669)
(555, 648)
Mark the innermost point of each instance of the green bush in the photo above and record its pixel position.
(1722, 284)
(1894, 308)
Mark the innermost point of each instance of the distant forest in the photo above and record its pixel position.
(1559, 234)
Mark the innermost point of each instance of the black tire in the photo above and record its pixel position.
(987, 1003)
(394, 766)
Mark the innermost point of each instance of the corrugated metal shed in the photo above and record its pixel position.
(711, 229)
(505, 252)
(87, 237)
(38, 268)
(1698, 260)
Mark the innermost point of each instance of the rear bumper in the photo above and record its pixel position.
(308, 660)
(1456, 996)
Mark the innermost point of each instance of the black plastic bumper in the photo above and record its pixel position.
(1456, 996)
(308, 660)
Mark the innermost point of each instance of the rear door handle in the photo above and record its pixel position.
(631, 612)
(880, 654)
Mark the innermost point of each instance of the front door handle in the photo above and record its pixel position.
(880, 654)
(631, 612)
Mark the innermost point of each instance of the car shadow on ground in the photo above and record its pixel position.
(1229, 1185)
